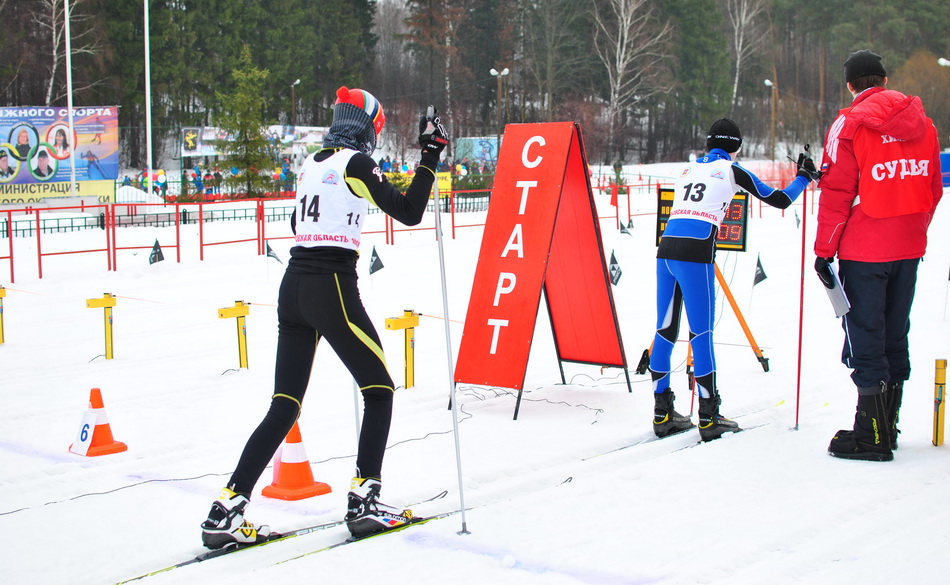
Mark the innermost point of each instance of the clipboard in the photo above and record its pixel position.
(839, 300)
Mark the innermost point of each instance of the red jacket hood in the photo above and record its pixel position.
(887, 112)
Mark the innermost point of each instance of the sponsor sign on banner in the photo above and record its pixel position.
(34, 192)
(541, 232)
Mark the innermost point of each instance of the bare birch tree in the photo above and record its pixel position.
(747, 36)
(632, 46)
(50, 18)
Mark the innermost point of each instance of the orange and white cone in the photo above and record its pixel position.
(293, 478)
(95, 435)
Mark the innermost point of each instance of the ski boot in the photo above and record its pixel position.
(366, 515)
(712, 425)
(667, 421)
(226, 524)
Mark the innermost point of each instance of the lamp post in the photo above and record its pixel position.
(498, 75)
(293, 103)
(773, 100)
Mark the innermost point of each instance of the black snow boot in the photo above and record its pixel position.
(667, 421)
(893, 397)
(711, 424)
(870, 438)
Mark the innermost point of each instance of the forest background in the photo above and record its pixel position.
(645, 78)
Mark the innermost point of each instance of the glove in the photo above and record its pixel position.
(432, 136)
(806, 167)
(823, 268)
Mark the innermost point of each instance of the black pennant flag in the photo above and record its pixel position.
(614, 268)
(156, 255)
(375, 264)
(630, 225)
(759, 272)
(624, 230)
(798, 220)
(271, 253)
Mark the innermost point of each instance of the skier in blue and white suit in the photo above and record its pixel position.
(685, 271)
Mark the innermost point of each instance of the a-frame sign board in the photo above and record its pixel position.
(541, 232)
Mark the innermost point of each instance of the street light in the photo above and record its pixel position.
(498, 75)
(293, 103)
(774, 100)
(943, 62)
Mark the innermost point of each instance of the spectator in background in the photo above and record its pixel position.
(199, 185)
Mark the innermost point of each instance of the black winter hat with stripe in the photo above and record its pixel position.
(724, 134)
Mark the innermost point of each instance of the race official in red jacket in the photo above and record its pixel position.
(880, 185)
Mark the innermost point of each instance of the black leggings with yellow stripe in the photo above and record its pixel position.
(312, 307)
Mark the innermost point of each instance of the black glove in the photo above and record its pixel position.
(806, 167)
(823, 268)
(432, 136)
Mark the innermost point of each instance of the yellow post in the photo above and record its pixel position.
(3, 293)
(239, 310)
(940, 385)
(409, 321)
(105, 303)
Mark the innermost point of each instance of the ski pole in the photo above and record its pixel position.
(430, 116)
(801, 312)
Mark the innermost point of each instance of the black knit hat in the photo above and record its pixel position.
(724, 134)
(861, 63)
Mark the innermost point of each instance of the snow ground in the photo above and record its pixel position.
(546, 504)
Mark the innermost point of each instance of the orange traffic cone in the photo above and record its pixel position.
(293, 478)
(95, 434)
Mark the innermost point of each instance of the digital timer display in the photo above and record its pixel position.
(732, 232)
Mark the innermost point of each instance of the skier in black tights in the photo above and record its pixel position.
(319, 299)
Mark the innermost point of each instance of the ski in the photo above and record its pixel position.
(274, 537)
(648, 439)
(213, 554)
(701, 442)
(651, 438)
(351, 540)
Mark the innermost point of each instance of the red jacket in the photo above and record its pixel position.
(880, 179)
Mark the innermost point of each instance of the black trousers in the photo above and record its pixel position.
(312, 307)
(876, 327)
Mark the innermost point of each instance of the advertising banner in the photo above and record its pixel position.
(477, 150)
(36, 150)
(296, 140)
